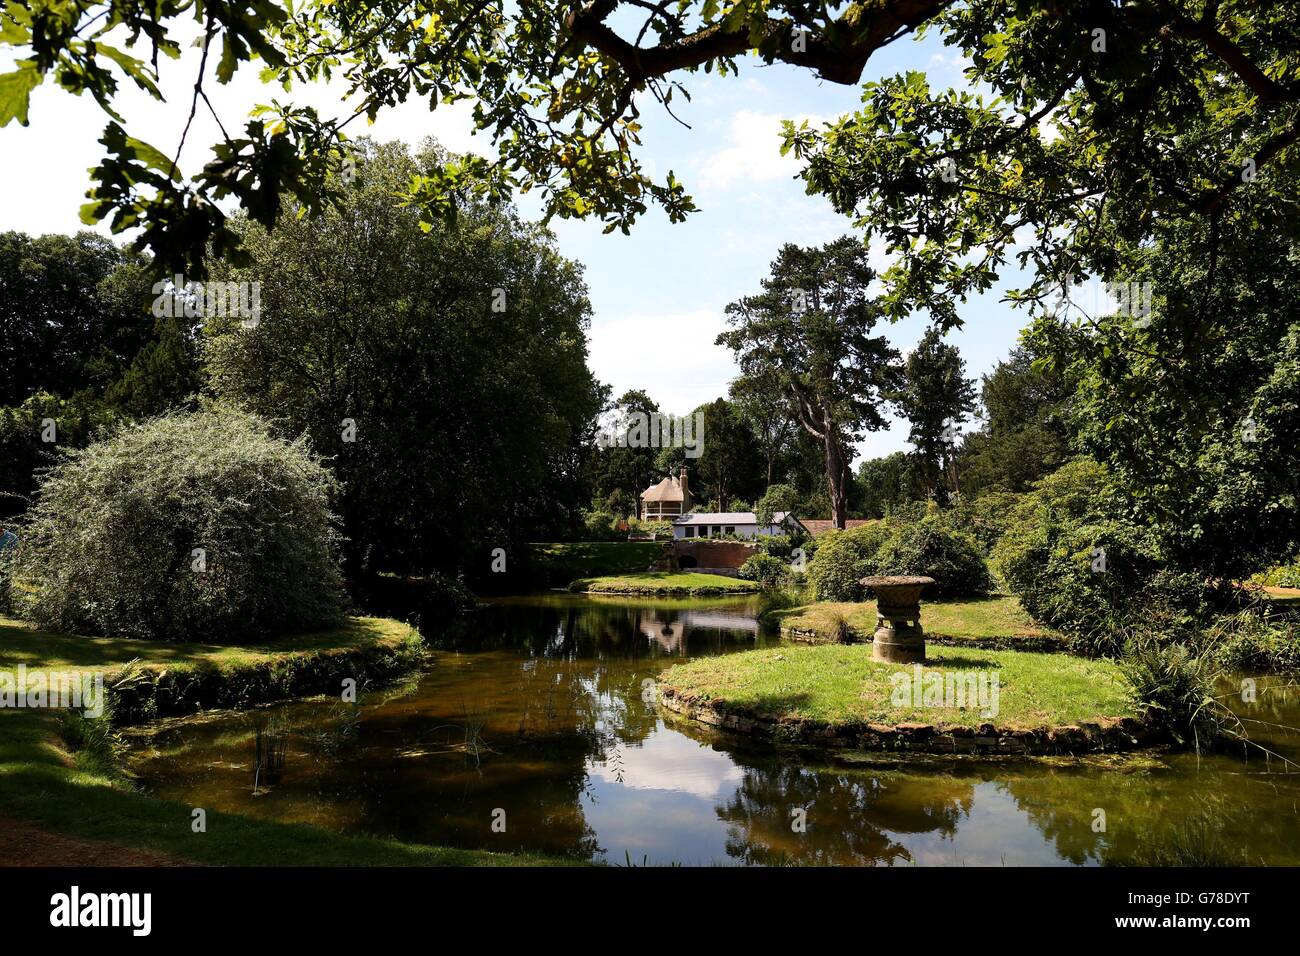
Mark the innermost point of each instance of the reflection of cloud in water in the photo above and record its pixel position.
(665, 827)
(670, 761)
(995, 830)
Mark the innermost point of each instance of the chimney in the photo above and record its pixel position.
(686, 493)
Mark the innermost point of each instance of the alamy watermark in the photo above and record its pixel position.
(652, 430)
(175, 298)
(1095, 298)
(952, 690)
(52, 690)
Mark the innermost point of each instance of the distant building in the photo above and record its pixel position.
(743, 524)
(667, 500)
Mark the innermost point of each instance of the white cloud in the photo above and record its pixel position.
(52, 156)
(753, 152)
(956, 60)
(671, 357)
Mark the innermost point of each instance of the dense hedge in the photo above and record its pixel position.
(146, 692)
(1078, 566)
(927, 545)
(196, 526)
(767, 570)
(953, 558)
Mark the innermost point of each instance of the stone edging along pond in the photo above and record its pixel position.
(1095, 736)
(145, 692)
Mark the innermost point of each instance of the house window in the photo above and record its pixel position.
(729, 530)
(690, 532)
(717, 530)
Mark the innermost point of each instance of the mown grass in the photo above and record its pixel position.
(78, 795)
(21, 643)
(665, 582)
(840, 683)
(991, 617)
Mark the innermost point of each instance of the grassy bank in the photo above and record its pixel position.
(556, 564)
(78, 794)
(665, 582)
(977, 619)
(840, 683)
(151, 679)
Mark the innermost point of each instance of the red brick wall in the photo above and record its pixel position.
(714, 554)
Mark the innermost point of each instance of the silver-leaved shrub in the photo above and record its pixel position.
(192, 526)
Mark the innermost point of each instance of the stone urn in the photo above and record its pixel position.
(899, 638)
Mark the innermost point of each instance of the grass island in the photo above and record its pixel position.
(834, 694)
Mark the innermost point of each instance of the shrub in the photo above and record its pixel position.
(191, 526)
(6, 572)
(777, 545)
(1282, 576)
(599, 526)
(842, 559)
(1251, 641)
(1175, 690)
(1088, 573)
(656, 529)
(952, 558)
(767, 570)
(986, 517)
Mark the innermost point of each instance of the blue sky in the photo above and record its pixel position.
(658, 295)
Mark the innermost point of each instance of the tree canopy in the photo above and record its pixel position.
(811, 328)
(1154, 105)
(443, 371)
(936, 398)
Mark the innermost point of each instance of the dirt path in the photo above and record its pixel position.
(25, 844)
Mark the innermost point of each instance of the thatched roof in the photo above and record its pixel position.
(670, 489)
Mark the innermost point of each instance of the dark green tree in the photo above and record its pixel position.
(767, 408)
(936, 399)
(443, 371)
(730, 465)
(1024, 434)
(884, 484)
(70, 319)
(810, 329)
(620, 462)
(1193, 406)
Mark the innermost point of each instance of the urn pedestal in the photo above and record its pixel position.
(899, 638)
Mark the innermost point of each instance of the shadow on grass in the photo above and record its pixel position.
(21, 643)
(771, 704)
(961, 662)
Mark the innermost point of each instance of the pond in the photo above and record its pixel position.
(532, 730)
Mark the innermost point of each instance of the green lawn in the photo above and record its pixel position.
(665, 582)
(20, 643)
(991, 617)
(79, 796)
(556, 564)
(840, 683)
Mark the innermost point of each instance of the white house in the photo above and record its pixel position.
(743, 524)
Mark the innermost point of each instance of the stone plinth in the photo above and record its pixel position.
(899, 638)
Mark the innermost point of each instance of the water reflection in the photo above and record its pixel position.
(536, 707)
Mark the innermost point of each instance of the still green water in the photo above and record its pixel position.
(532, 730)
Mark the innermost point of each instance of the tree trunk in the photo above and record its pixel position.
(837, 468)
(817, 421)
